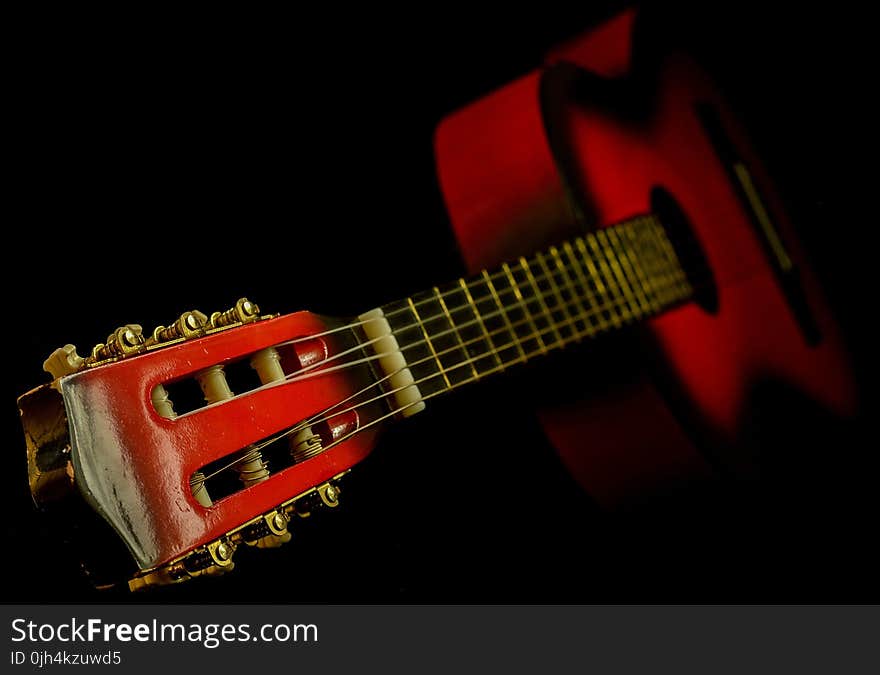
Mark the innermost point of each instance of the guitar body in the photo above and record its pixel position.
(609, 129)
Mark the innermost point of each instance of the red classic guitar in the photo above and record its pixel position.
(604, 192)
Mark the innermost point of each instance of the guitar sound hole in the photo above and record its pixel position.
(687, 247)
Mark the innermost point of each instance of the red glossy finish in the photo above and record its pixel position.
(303, 354)
(605, 50)
(499, 177)
(505, 198)
(135, 465)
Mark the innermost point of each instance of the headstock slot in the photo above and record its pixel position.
(186, 395)
(280, 451)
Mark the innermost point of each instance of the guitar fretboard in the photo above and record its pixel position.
(463, 331)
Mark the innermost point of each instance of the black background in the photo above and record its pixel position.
(162, 163)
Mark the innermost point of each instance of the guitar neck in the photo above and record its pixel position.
(458, 333)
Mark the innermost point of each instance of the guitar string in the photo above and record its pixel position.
(621, 300)
(626, 245)
(589, 330)
(498, 368)
(469, 380)
(388, 394)
(551, 278)
(594, 258)
(576, 289)
(308, 422)
(618, 302)
(454, 328)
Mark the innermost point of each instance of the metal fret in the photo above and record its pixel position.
(558, 293)
(525, 265)
(587, 295)
(454, 329)
(634, 307)
(601, 273)
(678, 286)
(574, 295)
(479, 320)
(672, 257)
(655, 262)
(515, 286)
(628, 271)
(643, 261)
(497, 299)
(428, 342)
(457, 334)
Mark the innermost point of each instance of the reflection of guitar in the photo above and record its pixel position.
(645, 205)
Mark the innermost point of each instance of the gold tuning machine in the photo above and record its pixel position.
(124, 341)
(129, 340)
(189, 325)
(329, 494)
(195, 324)
(244, 311)
(268, 530)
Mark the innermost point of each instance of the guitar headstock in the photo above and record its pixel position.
(208, 434)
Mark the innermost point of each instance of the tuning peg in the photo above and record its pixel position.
(329, 494)
(270, 531)
(189, 325)
(244, 311)
(124, 341)
(63, 361)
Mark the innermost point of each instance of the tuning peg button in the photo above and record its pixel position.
(329, 494)
(63, 361)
